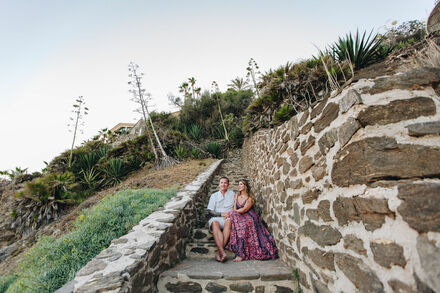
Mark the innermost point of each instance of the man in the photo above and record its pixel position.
(220, 206)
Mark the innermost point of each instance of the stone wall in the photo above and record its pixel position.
(351, 188)
(134, 262)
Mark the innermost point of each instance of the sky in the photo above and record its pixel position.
(51, 52)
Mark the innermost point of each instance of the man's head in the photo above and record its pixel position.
(224, 184)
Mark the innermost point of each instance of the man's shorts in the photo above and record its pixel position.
(220, 220)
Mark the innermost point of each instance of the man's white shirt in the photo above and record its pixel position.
(219, 203)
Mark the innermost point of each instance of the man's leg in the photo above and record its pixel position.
(218, 237)
(226, 231)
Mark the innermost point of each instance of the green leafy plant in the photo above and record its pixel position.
(114, 171)
(12, 174)
(180, 152)
(6, 281)
(361, 50)
(195, 132)
(237, 137)
(44, 197)
(283, 114)
(91, 178)
(195, 153)
(52, 262)
(214, 149)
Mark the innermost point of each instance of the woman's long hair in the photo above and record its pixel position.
(248, 189)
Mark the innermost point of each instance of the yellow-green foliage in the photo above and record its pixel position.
(53, 262)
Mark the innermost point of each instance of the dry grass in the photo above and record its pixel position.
(429, 56)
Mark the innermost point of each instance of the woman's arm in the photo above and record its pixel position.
(235, 202)
(247, 206)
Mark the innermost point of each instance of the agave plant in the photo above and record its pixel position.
(195, 153)
(114, 171)
(195, 132)
(180, 152)
(360, 50)
(42, 199)
(90, 178)
(214, 149)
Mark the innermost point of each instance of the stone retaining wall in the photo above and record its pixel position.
(133, 262)
(351, 188)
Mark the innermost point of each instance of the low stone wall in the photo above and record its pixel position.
(134, 262)
(351, 188)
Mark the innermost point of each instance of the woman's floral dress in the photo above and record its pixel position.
(249, 238)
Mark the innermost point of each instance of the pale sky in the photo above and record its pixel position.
(51, 52)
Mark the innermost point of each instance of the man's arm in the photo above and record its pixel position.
(214, 213)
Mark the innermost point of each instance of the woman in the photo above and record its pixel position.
(249, 238)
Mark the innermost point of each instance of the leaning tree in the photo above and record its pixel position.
(142, 98)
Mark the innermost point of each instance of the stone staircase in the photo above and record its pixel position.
(200, 272)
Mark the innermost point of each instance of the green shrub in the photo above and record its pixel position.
(283, 114)
(91, 178)
(6, 281)
(53, 262)
(195, 132)
(214, 149)
(114, 171)
(180, 152)
(237, 137)
(195, 153)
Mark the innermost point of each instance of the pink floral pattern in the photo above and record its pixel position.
(249, 238)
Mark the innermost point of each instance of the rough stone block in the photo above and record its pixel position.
(328, 140)
(359, 273)
(323, 235)
(184, 287)
(215, 288)
(306, 129)
(387, 253)
(381, 158)
(429, 255)
(305, 163)
(324, 211)
(371, 212)
(323, 259)
(420, 76)
(318, 108)
(398, 287)
(328, 115)
(396, 111)
(305, 145)
(351, 97)
(353, 243)
(312, 214)
(242, 287)
(310, 195)
(304, 118)
(420, 206)
(424, 128)
(347, 130)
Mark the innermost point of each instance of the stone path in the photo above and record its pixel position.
(199, 272)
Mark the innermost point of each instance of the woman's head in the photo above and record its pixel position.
(245, 188)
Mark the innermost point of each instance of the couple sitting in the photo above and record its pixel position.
(234, 217)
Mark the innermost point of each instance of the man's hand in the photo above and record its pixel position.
(226, 215)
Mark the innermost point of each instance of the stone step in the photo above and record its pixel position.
(204, 250)
(208, 275)
(202, 235)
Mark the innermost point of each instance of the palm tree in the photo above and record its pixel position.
(239, 84)
(197, 91)
(184, 88)
(192, 81)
